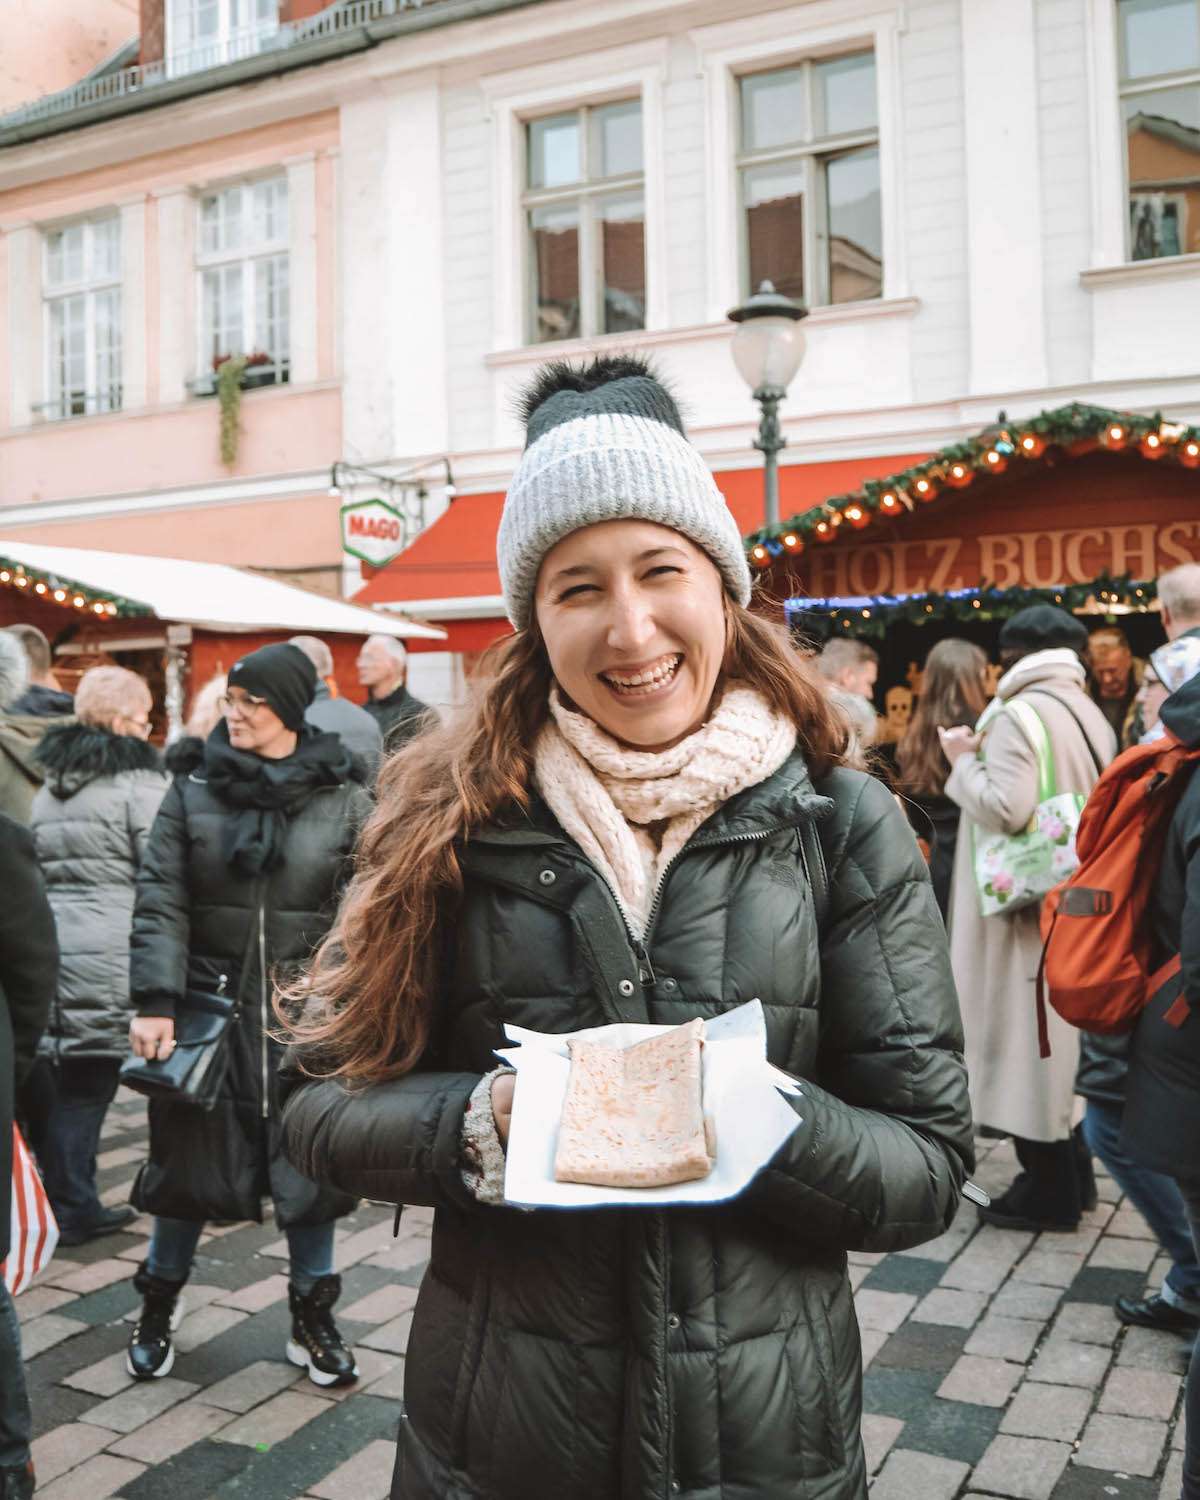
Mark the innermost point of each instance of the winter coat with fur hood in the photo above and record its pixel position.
(643, 1354)
(91, 823)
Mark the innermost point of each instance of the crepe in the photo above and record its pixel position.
(633, 1116)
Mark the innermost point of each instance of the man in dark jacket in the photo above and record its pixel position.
(383, 671)
(43, 697)
(354, 726)
(28, 971)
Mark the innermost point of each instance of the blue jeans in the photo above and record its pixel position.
(1155, 1196)
(173, 1247)
(16, 1419)
(84, 1088)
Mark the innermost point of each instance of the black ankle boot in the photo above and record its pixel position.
(17, 1482)
(315, 1343)
(151, 1353)
(1045, 1196)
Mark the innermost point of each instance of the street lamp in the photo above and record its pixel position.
(767, 349)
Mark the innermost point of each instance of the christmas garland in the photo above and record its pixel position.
(53, 590)
(877, 614)
(1071, 430)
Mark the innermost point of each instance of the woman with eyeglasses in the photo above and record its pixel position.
(91, 823)
(245, 865)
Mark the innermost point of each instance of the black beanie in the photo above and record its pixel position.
(1040, 627)
(281, 674)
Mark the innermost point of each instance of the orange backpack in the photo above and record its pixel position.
(1098, 941)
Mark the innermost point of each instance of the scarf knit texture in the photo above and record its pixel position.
(632, 811)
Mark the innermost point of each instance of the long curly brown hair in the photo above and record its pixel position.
(365, 1009)
(953, 692)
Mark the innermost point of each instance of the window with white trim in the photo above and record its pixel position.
(584, 213)
(808, 170)
(1159, 42)
(81, 289)
(206, 33)
(242, 266)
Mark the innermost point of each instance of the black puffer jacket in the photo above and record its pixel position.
(641, 1354)
(198, 920)
(91, 823)
(1162, 1091)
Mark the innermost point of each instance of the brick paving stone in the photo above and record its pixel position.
(1024, 1468)
(62, 1448)
(960, 1309)
(1089, 1322)
(80, 1279)
(246, 1388)
(1150, 1349)
(1077, 1242)
(997, 1337)
(364, 1242)
(177, 1429)
(391, 1301)
(142, 1402)
(391, 1337)
(866, 1257)
(947, 1245)
(389, 1385)
(104, 1378)
(883, 1310)
(43, 1333)
(878, 1435)
(402, 1256)
(257, 1295)
(909, 1274)
(1172, 1478)
(1047, 1268)
(907, 1474)
(975, 1273)
(1179, 1432)
(1025, 1299)
(1069, 1362)
(857, 1275)
(1081, 1483)
(1131, 1444)
(1129, 1224)
(1047, 1411)
(1139, 1393)
(872, 1340)
(983, 1382)
(366, 1476)
(119, 1156)
(274, 1420)
(204, 1324)
(1123, 1254)
(101, 1476)
(38, 1300)
(922, 1346)
(1105, 1284)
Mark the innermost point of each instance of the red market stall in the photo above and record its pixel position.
(177, 623)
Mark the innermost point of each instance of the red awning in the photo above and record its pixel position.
(455, 558)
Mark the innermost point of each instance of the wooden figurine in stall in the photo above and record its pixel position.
(898, 701)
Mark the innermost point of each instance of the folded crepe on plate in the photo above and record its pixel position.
(633, 1116)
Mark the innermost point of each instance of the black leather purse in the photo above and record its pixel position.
(199, 1060)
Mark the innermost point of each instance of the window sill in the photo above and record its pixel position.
(253, 379)
(1131, 273)
(645, 340)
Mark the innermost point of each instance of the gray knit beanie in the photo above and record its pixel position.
(606, 443)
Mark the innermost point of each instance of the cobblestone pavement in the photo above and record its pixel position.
(995, 1366)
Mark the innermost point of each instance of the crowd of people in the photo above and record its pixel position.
(654, 807)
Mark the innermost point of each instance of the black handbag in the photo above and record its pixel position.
(196, 1067)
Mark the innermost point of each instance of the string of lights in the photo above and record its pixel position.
(66, 593)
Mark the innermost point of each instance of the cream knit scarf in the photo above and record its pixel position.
(632, 811)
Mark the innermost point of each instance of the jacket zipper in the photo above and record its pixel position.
(262, 992)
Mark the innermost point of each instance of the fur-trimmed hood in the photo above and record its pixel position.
(74, 755)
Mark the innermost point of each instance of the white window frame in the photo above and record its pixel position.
(763, 43)
(245, 256)
(515, 98)
(813, 155)
(585, 194)
(230, 43)
(56, 407)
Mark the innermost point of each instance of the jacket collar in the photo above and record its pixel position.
(786, 797)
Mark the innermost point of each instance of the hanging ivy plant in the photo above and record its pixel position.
(229, 400)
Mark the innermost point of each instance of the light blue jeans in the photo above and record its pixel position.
(173, 1248)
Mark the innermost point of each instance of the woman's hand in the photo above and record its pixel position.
(958, 742)
(152, 1036)
(503, 1089)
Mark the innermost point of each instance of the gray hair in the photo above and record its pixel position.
(840, 653)
(1179, 590)
(396, 649)
(317, 652)
(860, 713)
(14, 669)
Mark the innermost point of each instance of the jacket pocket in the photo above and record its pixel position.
(812, 1367)
(468, 1367)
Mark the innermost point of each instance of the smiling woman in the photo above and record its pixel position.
(646, 814)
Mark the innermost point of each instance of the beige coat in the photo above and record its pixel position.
(995, 959)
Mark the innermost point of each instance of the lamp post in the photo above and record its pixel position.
(767, 349)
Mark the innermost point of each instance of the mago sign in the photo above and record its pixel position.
(373, 531)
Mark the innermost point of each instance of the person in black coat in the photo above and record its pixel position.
(1162, 1099)
(240, 882)
(28, 974)
(383, 671)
